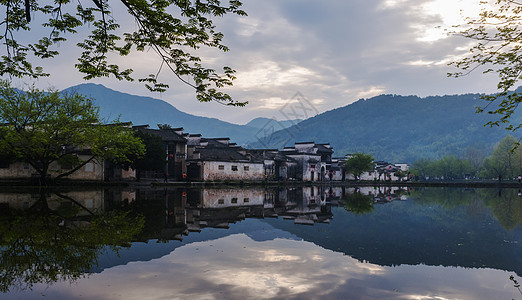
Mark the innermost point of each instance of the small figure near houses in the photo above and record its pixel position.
(165, 177)
(519, 179)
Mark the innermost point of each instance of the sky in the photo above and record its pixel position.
(331, 53)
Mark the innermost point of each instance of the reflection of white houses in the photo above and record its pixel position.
(221, 198)
(381, 194)
(306, 205)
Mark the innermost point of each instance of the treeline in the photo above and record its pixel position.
(504, 161)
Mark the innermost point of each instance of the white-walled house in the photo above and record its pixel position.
(216, 159)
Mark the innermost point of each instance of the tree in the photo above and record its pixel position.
(154, 158)
(497, 31)
(503, 161)
(41, 128)
(174, 30)
(359, 163)
(401, 174)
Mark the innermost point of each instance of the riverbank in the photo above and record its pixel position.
(470, 184)
(215, 184)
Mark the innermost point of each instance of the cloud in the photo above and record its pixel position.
(336, 51)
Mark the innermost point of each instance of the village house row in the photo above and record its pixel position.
(192, 157)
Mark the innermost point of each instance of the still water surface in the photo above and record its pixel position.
(302, 243)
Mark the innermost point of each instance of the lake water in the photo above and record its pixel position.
(275, 243)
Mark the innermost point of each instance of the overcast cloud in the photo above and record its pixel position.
(332, 52)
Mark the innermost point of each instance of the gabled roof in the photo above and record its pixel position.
(167, 135)
(323, 148)
(216, 142)
(221, 154)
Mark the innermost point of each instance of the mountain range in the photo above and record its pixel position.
(390, 127)
(146, 110)
(401, 128)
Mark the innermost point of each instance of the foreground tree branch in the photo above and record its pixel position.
(173, 29)
(498, 49)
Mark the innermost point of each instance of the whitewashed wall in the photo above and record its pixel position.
(211, 171)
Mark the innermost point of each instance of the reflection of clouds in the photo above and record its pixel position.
(276, 256)
(237, 267)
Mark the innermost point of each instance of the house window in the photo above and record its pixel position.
(246, 168)
(234, 168)
(221, 201)
(312, 166)
(234, 200)
(246, 200)
(89, 167)
(221, 167)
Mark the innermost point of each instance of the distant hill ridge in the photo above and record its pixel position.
(400, 128)
(391, 127)
(146, 110)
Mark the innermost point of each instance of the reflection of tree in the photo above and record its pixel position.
(40, 245)
(358, 203)
(505, 205)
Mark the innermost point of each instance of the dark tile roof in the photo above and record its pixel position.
(222, 154)
(323, 149)
(167, 135)
(215, 143)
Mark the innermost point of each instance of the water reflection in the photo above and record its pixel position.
(383, 242)
(238, 267)
(53, 237)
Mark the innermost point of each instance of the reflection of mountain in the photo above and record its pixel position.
(408, 233)
(205, 213)
(256, 229)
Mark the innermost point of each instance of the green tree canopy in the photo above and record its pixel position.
(497, 34)
(505, 159)
(40, 128)
(173, 30)
(359, 163)
(154, 158)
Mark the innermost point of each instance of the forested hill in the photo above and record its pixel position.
(145, 110)
(399, 128)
